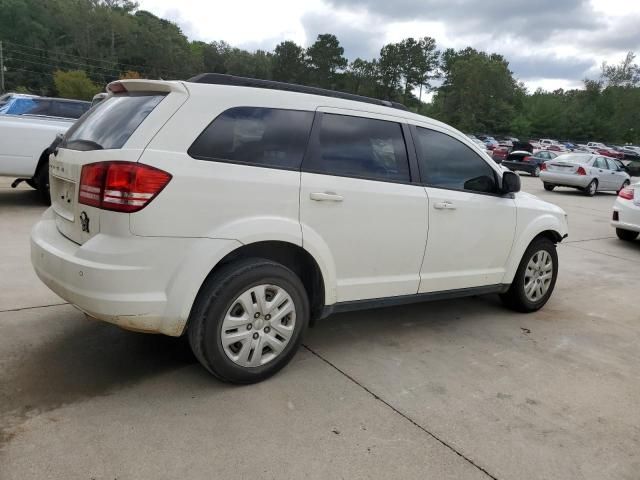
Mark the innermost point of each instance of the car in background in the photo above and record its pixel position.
(500, 153)
(98, 97)
(586, 172)
(489, 142)
(595, 145)
(531, 163)
(626, 213)
(23, 104)
(553, 145)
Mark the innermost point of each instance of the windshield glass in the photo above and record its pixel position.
(109, 124)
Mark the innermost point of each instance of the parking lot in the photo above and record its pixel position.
(452, 389)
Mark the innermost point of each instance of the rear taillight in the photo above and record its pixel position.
(581, 171)
(626, 193)
(543, 166)
(120, 186)
(526, 159)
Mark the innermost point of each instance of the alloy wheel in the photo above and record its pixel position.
(538, 275)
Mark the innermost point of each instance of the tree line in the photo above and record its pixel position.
(75, 47)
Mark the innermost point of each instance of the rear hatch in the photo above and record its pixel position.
(116, 129)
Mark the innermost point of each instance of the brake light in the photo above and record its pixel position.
(120, 186)
(581, 171)
(626, 193)
(527, 159)
(543, 165)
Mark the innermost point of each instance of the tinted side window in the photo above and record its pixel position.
(360, 147)
(258, 136)
(600, 163)
(448, 163)
(612, 165)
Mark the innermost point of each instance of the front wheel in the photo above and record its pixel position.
(549, 187)
(535, 278)
(626, 235)
(248, 320)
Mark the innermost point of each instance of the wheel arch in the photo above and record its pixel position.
(292, 256)
(547, 226)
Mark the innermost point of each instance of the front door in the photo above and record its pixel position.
(471, 227)
(358, 203)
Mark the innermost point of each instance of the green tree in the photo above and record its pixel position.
(288, 62)
(75, 84)
(325, 58)
(390, 66)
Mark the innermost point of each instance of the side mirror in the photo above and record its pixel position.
(510, 182)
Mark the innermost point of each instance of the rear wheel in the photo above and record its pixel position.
(248, 320)
(626, 235)
(549, 187)
(41, 182)
(591, 189)
(535, 278)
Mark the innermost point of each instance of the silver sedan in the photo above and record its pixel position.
(587, 172)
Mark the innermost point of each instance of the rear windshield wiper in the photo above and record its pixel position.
(83, 144)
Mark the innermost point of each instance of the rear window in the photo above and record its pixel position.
(67, 109)
(574, 158)
(110, 123)
(269, 137)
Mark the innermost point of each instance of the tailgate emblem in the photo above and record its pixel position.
(84, 221)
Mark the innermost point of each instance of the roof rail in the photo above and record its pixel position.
(222, 79)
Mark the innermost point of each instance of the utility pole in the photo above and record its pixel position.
(1, 69)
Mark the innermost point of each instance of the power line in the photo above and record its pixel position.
(23, 46)
(110, 72)
(31, 71)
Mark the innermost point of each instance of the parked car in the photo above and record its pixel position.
(236, 211)
(589, 173)
(500, 153)
(553, 145)
(25, 145)
(22, 104)
(527, 162)
(626, 213)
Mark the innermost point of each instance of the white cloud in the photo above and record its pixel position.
(554, 45)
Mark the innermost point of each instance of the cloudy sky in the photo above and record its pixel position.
(549, 43)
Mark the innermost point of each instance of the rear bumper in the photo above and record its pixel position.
(628, 215)
(565, 179)
(520, 166)
(138, 283)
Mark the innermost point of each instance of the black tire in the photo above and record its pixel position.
(591, 189)
(515, 298)
(626, 235)
(41, 182)
(217, 296)
(549, 187)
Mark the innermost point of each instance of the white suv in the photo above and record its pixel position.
(238, 211)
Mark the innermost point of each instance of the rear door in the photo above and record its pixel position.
(118, 129)
(357, 200)
(471, 226)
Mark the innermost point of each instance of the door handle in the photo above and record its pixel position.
(446, 205)
(326, 197)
